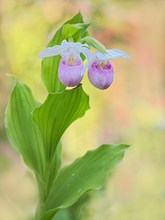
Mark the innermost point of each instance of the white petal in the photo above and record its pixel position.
(83, 71)
(70, 44)
(77, 46)
(52, 51)
(102, 56)
(67, 44)
(93, 56)
(90, 61)
(64, 43)
(85, 51)
(64, 48)
(116, 53)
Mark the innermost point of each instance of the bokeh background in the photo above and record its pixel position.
(131, 111)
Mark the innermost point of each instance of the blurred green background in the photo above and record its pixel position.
(131, 111)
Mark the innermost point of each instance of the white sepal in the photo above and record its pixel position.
(64, 48)
(52, 51)
(116, 53)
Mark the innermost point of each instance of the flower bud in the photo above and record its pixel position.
(100, 73)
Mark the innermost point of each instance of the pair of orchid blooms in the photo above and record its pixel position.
(71, 68)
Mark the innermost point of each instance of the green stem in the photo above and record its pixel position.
(41, 200)
(44, 188)
(44, 183)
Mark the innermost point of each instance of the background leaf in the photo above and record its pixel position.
(86, 173)
(57, 113)
(50, 64)
(23, 134)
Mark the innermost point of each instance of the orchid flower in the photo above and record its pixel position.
(100, 70)
(71, 68)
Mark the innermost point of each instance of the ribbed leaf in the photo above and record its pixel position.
(23, 134)
(86, 173)
(73, 212)
(95, 43)
(69, 30)
(57, 113)
(56, 161)
(50, 64)
(52, 168)
(83, 27)
(74, 30)
(63, 215)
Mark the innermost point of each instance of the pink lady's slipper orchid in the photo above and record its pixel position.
(100, 70)
(71, 68)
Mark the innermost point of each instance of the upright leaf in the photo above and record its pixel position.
(50, 64)
(23, 134)
(83, 27)
(56, 161)
(53, 168)
(86, 173)
(57, 113)
(63, 215)
(75, 30)
(69, 30)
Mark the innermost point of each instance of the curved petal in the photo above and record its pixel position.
(77, 46)
(85, 51)
(52, 51)
(102, 56)
(64, 43)
(70, 44)
(64, 48)
(116, 53)
(92, 57)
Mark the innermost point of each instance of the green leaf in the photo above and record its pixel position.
(62, 215)
(57, 113)
(71, 213)
(82, 32)
(95, 43)
(56, 161)
(82, 26)
(74, 212)
(79, 209)
(23, 134)
(74, 30)
(69, 30)
(53, 168)
(86, 173)
(50, 64)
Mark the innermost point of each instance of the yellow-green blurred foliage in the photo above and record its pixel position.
(131, 111)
